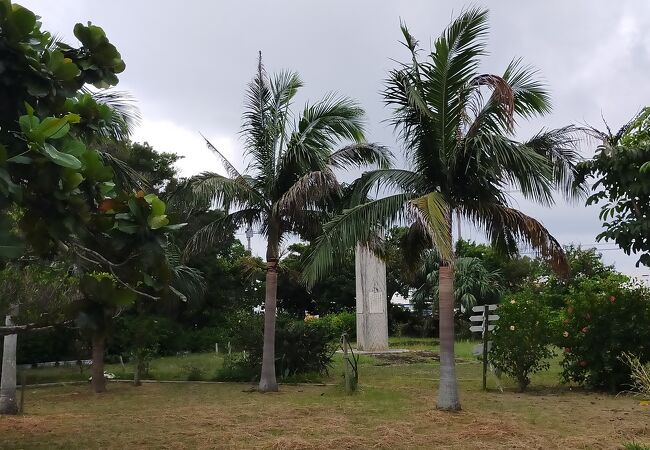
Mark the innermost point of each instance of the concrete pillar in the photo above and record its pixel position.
(8, 404)
(372, 314)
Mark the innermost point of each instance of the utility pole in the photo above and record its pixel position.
(249, 235)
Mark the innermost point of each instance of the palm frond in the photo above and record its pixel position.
(310, 189)
(499, 220)
(211, 189)
(359, 155)
(433, 214)
(358, 224)
(125, 115)
(321, 126)
(401, 180)
(219, 230)
(503, 162)
(259, 130)
(284, 87)
(559, 148)
(187, 283)
(126, 177)
(231, 170)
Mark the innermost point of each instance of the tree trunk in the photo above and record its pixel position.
(98, 380)
(448, 389)
(268, 382)
(8, 404)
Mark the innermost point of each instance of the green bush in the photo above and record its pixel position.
(521, 343)
(604, 319)
(193, 373)
(301, 347)
(337, 324)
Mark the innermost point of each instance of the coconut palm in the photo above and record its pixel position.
(289, 183)
(457, 126)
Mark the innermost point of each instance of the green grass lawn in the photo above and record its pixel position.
(394, 408)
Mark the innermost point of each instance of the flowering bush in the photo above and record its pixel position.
(604, 319)
(523, 335)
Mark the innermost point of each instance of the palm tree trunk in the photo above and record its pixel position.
(8, 404)
(448, 389)
(268, 381)
(98, 380)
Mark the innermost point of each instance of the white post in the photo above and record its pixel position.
(8, 404)
(372, 314)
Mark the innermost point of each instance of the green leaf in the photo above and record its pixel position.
(28, 122)
(73, 147)
(106, 188)
(20, 159)
(156, 222)
(62, 159)
(157, 205)
(23, 20)
(29, 109)
(71, 179)
(72, 118)
(53, 128)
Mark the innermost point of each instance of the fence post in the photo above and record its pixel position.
(346, 362)
(23, 383)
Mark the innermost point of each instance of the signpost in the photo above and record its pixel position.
(484, 328)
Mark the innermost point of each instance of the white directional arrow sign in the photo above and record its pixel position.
(479, 328)
(481, 308)
(480, 318)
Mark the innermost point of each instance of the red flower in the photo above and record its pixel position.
(612, 299)
(585, 329)
(583, 363)
(567, 349)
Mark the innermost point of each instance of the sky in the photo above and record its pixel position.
(188, 64)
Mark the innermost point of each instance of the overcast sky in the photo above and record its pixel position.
(188, 64)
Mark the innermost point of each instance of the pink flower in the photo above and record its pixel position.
(585, 329)
(567, 349)
(612, 299)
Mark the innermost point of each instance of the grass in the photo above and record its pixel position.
(394, 408)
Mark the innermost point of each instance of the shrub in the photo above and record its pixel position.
(337, 324)
(521, 343)
(238, 367)
(301, 347)
(193, 373)
(604, 319)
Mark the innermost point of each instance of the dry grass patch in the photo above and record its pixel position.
(393, 410)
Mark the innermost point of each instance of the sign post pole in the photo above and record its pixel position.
(485, 346)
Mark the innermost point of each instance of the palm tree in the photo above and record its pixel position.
(457, 126)
(472, 281)
(289, 184)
